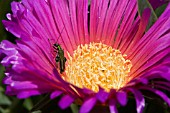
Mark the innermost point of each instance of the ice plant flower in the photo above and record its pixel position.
(109, 54)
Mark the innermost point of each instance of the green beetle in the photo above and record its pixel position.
(60, 58)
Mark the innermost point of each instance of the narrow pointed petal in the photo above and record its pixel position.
(28, 93)
(112, 106)
(55, 94)
(82, 16)
(159, 93)
(102, 10)
(88, 105)
(122, 98)
(142, 27)
(140, 101)
(66, 101)
(116, 20)
(102, 95)
(127, 26)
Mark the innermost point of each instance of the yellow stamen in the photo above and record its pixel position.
(97, 64)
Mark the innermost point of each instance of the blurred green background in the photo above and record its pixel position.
(42, 104)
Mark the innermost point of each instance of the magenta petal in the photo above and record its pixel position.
(102, 95)
(159, 72)
(10, 50)
(88, 105)
(62, 18)
(82, 17)
(140, 101)
(112, 106)
(55, 94)
(141, 80)
(7, 80)
(23, 85)
(165, 76)
(122, 98)
(66, 101)
(27, 4)
(12, 27)
(126, 25)
(163, 96)
(28, 93)
(142, 27)
(88, 91)
(159, 93)
(102, 10)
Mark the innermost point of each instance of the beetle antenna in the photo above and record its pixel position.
(60, 33)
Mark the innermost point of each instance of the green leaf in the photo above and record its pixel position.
(89, 2)
(143, 4)
(36, 111)
(160, 10)
(2, 69)
(74, 108)
(1, 77)
(4, 110)
(28, 104)
(4, 100)
(1, 89)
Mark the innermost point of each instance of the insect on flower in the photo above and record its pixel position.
(60, 57)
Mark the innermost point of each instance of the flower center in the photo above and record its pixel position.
(97, 64)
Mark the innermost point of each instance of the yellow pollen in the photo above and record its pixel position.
(97, 64)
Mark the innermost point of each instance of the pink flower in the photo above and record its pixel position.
(109, 54)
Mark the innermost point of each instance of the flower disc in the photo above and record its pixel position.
(97, 64)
